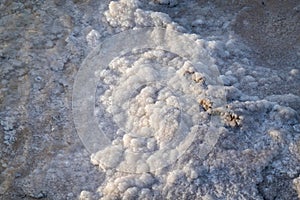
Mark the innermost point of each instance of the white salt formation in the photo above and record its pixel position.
(152, 98)
(155, 105)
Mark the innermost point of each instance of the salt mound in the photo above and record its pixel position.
(150, 104)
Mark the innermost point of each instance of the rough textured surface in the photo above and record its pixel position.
(254, 44)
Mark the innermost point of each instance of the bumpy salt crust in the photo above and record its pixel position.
(125, 14)
(150, 111)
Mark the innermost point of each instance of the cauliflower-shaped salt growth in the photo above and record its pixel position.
(121, 13)
(152, 121)
(93, 38)
(296, 183)
(110, 161)
(125, 14)
(147, 105)
(128, 187)
(85, 195)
